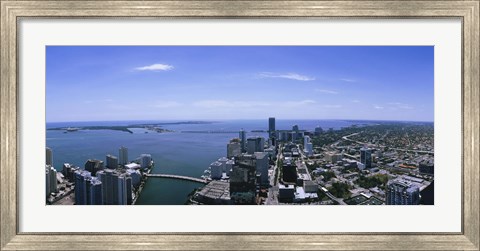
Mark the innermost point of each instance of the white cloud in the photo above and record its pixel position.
(400, 105)
(332, 106)
(355, 101)
(228, 104)
(155, 67)
(326, 91)
(167, 104)
(348, 80)
(292, 76)
(298, 103)
(377, 107)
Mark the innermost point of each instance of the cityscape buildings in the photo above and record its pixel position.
(304, 167)
(123, 155)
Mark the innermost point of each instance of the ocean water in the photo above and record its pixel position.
(175, 152)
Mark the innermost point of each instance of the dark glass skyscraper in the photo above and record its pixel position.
(366, 157)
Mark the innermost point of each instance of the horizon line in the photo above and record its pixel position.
(214, 120)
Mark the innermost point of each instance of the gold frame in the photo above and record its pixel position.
(12, 11)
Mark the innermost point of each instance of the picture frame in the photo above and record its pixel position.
(13, 11)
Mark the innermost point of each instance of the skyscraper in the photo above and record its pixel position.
(402, 192)
(123, 155)
(145, 160)
(243, 140)
(81, 187)
(93, 166)
(255, 144)
(49, 158)
(88, 189)
(233, 149)
(112, 162)
(117, 187)
(366, 157)
(51, 180)
(271, 127)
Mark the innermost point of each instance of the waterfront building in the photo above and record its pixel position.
(318, 130)
(49, 157)
(216, 170)
(123, 155)
(262, 166)
(145, 160)
(117, 187)
(51, 180)
(88, 189)
(47, 183)
(401, 191)
(243, 140)
(229, 166)
(214, 193)
(132, 166)
(223, 160)
(295, 128)
(95, 191)
(69, 171)
(234, 149)
(255, 144)
(136, 176)
(93, 166)
(366, 157)
(112, 162)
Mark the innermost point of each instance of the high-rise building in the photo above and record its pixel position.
(295, 128)
(112, 162)
(255, 144)
(262, 166)
(49, 157)
(243, 140)
(229, 166)
(309, 149)
(123, 155)
(88, 189)
(93, 166)
(271, 127)
(402, 192)
(69, 171)
(145, 160)
(318, 130)
(216, 170)
(51, 180)
(233, 149)
(289, 173)
(117, 187)
(306, 140)
(242, 180)
(366, 157)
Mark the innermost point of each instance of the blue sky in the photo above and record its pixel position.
(102, 83)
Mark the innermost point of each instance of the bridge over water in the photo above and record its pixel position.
(178, 177)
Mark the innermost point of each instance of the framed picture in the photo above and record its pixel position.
(239, 125)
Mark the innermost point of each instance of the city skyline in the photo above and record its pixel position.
(112, 83)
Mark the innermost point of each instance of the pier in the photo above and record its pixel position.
(179, 177)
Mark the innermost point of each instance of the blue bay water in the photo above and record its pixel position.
(173, 152)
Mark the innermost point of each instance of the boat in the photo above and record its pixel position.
(72, 129)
